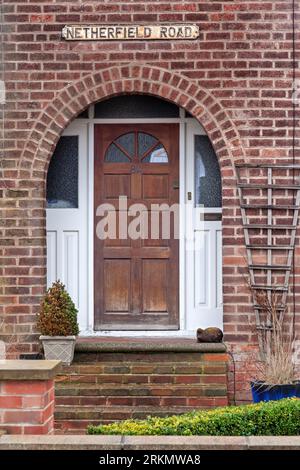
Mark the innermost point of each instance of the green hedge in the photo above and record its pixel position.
(276, 418)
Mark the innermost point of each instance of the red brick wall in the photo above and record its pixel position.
(236, 79)
(27, 407)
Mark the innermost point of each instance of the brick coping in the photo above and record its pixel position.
(11, 369)
(146, 344)
(84, 442)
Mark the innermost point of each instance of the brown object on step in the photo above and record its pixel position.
(209, 335)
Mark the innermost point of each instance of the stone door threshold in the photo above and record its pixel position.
(182, 443)
(111, 344)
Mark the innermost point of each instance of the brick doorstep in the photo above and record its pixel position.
(114, 386)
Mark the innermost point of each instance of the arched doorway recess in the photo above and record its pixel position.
(150, 151)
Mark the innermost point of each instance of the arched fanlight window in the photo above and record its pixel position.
(135, 106)
(136, 146)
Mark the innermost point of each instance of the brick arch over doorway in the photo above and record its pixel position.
(27, 279)
(137, 79)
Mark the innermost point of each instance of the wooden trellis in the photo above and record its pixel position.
(269, 200)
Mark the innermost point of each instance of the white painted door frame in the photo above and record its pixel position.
(64, 222)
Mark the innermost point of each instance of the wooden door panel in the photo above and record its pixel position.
(117, 185)
(154, 285)
(117, 285)
(155, 187)
(138, 252)
(118, 241)
(155, 230)
(136, 280)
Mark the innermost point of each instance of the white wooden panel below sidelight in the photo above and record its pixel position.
(204, 277)
(219, 268)
(202, 248)
(51, 257)
(70, 266)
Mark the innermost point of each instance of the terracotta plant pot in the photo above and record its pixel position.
(59, 347)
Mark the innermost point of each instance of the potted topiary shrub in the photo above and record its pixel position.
(275, 374)
(57, 321)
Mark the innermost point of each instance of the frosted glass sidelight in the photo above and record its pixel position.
(62, 178)
(207, 174)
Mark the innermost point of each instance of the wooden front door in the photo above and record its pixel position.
(137, 278)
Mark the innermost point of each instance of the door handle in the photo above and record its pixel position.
(176, 184)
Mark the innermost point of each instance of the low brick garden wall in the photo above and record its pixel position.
(27, 396)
